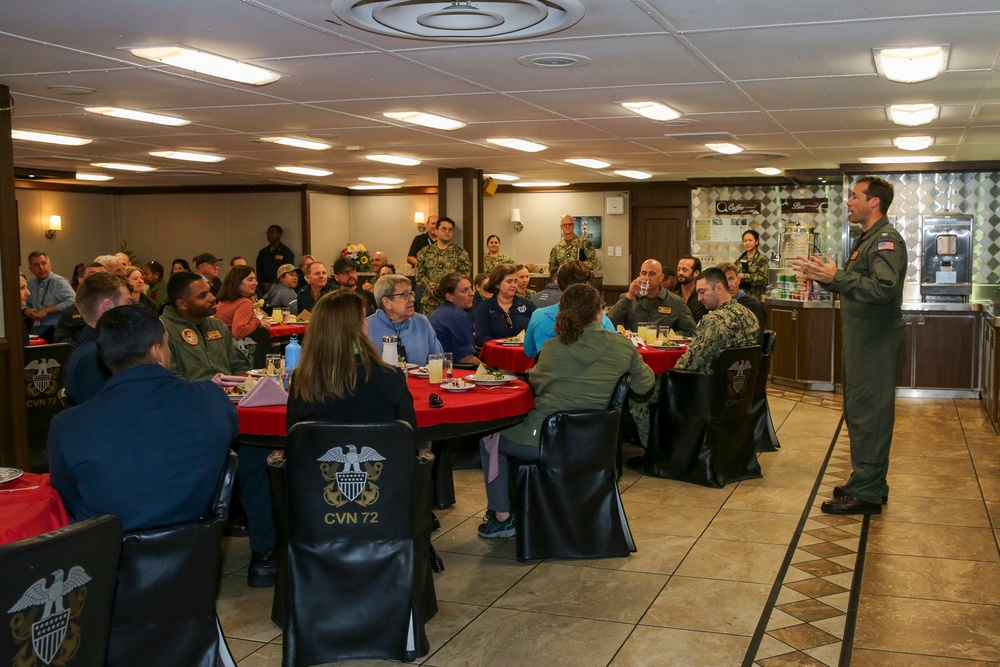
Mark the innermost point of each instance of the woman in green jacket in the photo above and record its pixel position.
(576, 370)
(753, 266)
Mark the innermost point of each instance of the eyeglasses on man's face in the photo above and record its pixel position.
(406, 296)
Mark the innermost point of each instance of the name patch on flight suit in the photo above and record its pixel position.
(213, 335)
(664, 310)
(853, 256)
(279, 256)
(189, 336)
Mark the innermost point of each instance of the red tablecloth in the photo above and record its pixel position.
(281, 330)
(479, 404)
(508, 357)
(26, 511)
(512, 358)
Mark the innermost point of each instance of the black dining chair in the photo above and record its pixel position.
(354, 573)
(164, 606)
(56, 592)
(764, 437)
(567, 503)
(702, 430)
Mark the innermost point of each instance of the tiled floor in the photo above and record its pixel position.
(752, 574)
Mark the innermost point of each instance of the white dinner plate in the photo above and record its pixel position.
(490, 381)
(512, 343)
(457, 388)
(665, 347)
(418, 372)
(9, 474)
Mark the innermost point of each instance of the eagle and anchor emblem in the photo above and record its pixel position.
(352, 483)
(48, 633)
(42, 376)
(737, 376)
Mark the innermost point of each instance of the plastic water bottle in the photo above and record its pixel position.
(292, 353)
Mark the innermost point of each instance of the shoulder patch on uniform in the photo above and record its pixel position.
(886, 245)
(213, 335)
(854, 256)
(664, 310)
(189, 336)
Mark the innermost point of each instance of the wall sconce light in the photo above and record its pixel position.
(418, 220)
(515, 218)
(55, 225)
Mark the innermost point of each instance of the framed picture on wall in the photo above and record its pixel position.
(589, 227)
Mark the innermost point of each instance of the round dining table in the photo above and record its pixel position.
(511, 357)
(478, 410)
(29, 506)
(284, 330)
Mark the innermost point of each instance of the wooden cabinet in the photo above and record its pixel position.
(990, 372)
(803, 350)
(941, 352)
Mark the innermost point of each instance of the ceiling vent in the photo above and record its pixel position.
(745, 156)
(554, 60)
(461, 20)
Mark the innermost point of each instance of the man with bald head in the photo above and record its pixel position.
(421, 241)
(647, 301)
(571, 246)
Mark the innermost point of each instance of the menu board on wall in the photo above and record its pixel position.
(720, 230)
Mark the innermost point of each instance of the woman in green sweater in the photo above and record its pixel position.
(576, 370)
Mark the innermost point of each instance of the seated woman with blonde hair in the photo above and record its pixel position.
(577, 370)
(341, 376)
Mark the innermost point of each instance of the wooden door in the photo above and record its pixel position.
(784, 323)
(659, 232)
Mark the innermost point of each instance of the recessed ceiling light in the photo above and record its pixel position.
(305, 171)
(912, 115)
(122, 166)
(394, 159)
(913, 143)
(911, 64)
(204, 62)
(384, 180)
(141, 116)
(425, 120)
(373, 187)
(901, 159)
(768, 171)
(72, 90)
(296, 143)
(725, 148)
(502, 177)
(187, 156)
(588, 162)
(652, 110)
(554, 60)
(540, 184)
(518, 144)
(80, 176)
(49, 138)
(633, 173)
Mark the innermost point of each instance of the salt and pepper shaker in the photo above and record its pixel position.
(390, 354)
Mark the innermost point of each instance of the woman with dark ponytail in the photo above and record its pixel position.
(576, 370)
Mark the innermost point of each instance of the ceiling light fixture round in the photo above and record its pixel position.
(461, 20)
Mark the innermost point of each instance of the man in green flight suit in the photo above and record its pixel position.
(438, 260)
(871, 293)
(571, 246)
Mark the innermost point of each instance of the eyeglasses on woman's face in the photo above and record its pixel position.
(405, 296)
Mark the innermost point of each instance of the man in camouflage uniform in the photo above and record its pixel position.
(871, 293)
(436, 261)
(727, 324)
(570, 247)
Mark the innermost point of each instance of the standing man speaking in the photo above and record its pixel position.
(871, 293)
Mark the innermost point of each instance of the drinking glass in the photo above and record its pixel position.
(642, 328)
(273, 364)
(665, 334)
(448, 365)
(276, 316)
(435, 368)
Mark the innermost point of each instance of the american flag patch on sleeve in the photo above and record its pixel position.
(885, 245)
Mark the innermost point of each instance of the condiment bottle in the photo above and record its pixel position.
(390, 354)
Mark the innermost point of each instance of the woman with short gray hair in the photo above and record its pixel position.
(396, 317)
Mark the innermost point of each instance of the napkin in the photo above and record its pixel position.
(304, 316)
(228, 380)
(265, 392)
(491, 443)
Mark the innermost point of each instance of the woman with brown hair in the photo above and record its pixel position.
(577, 370)
(451, 321)
(341, 376)
(505, 314)
(236, 302)
(136, 283)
